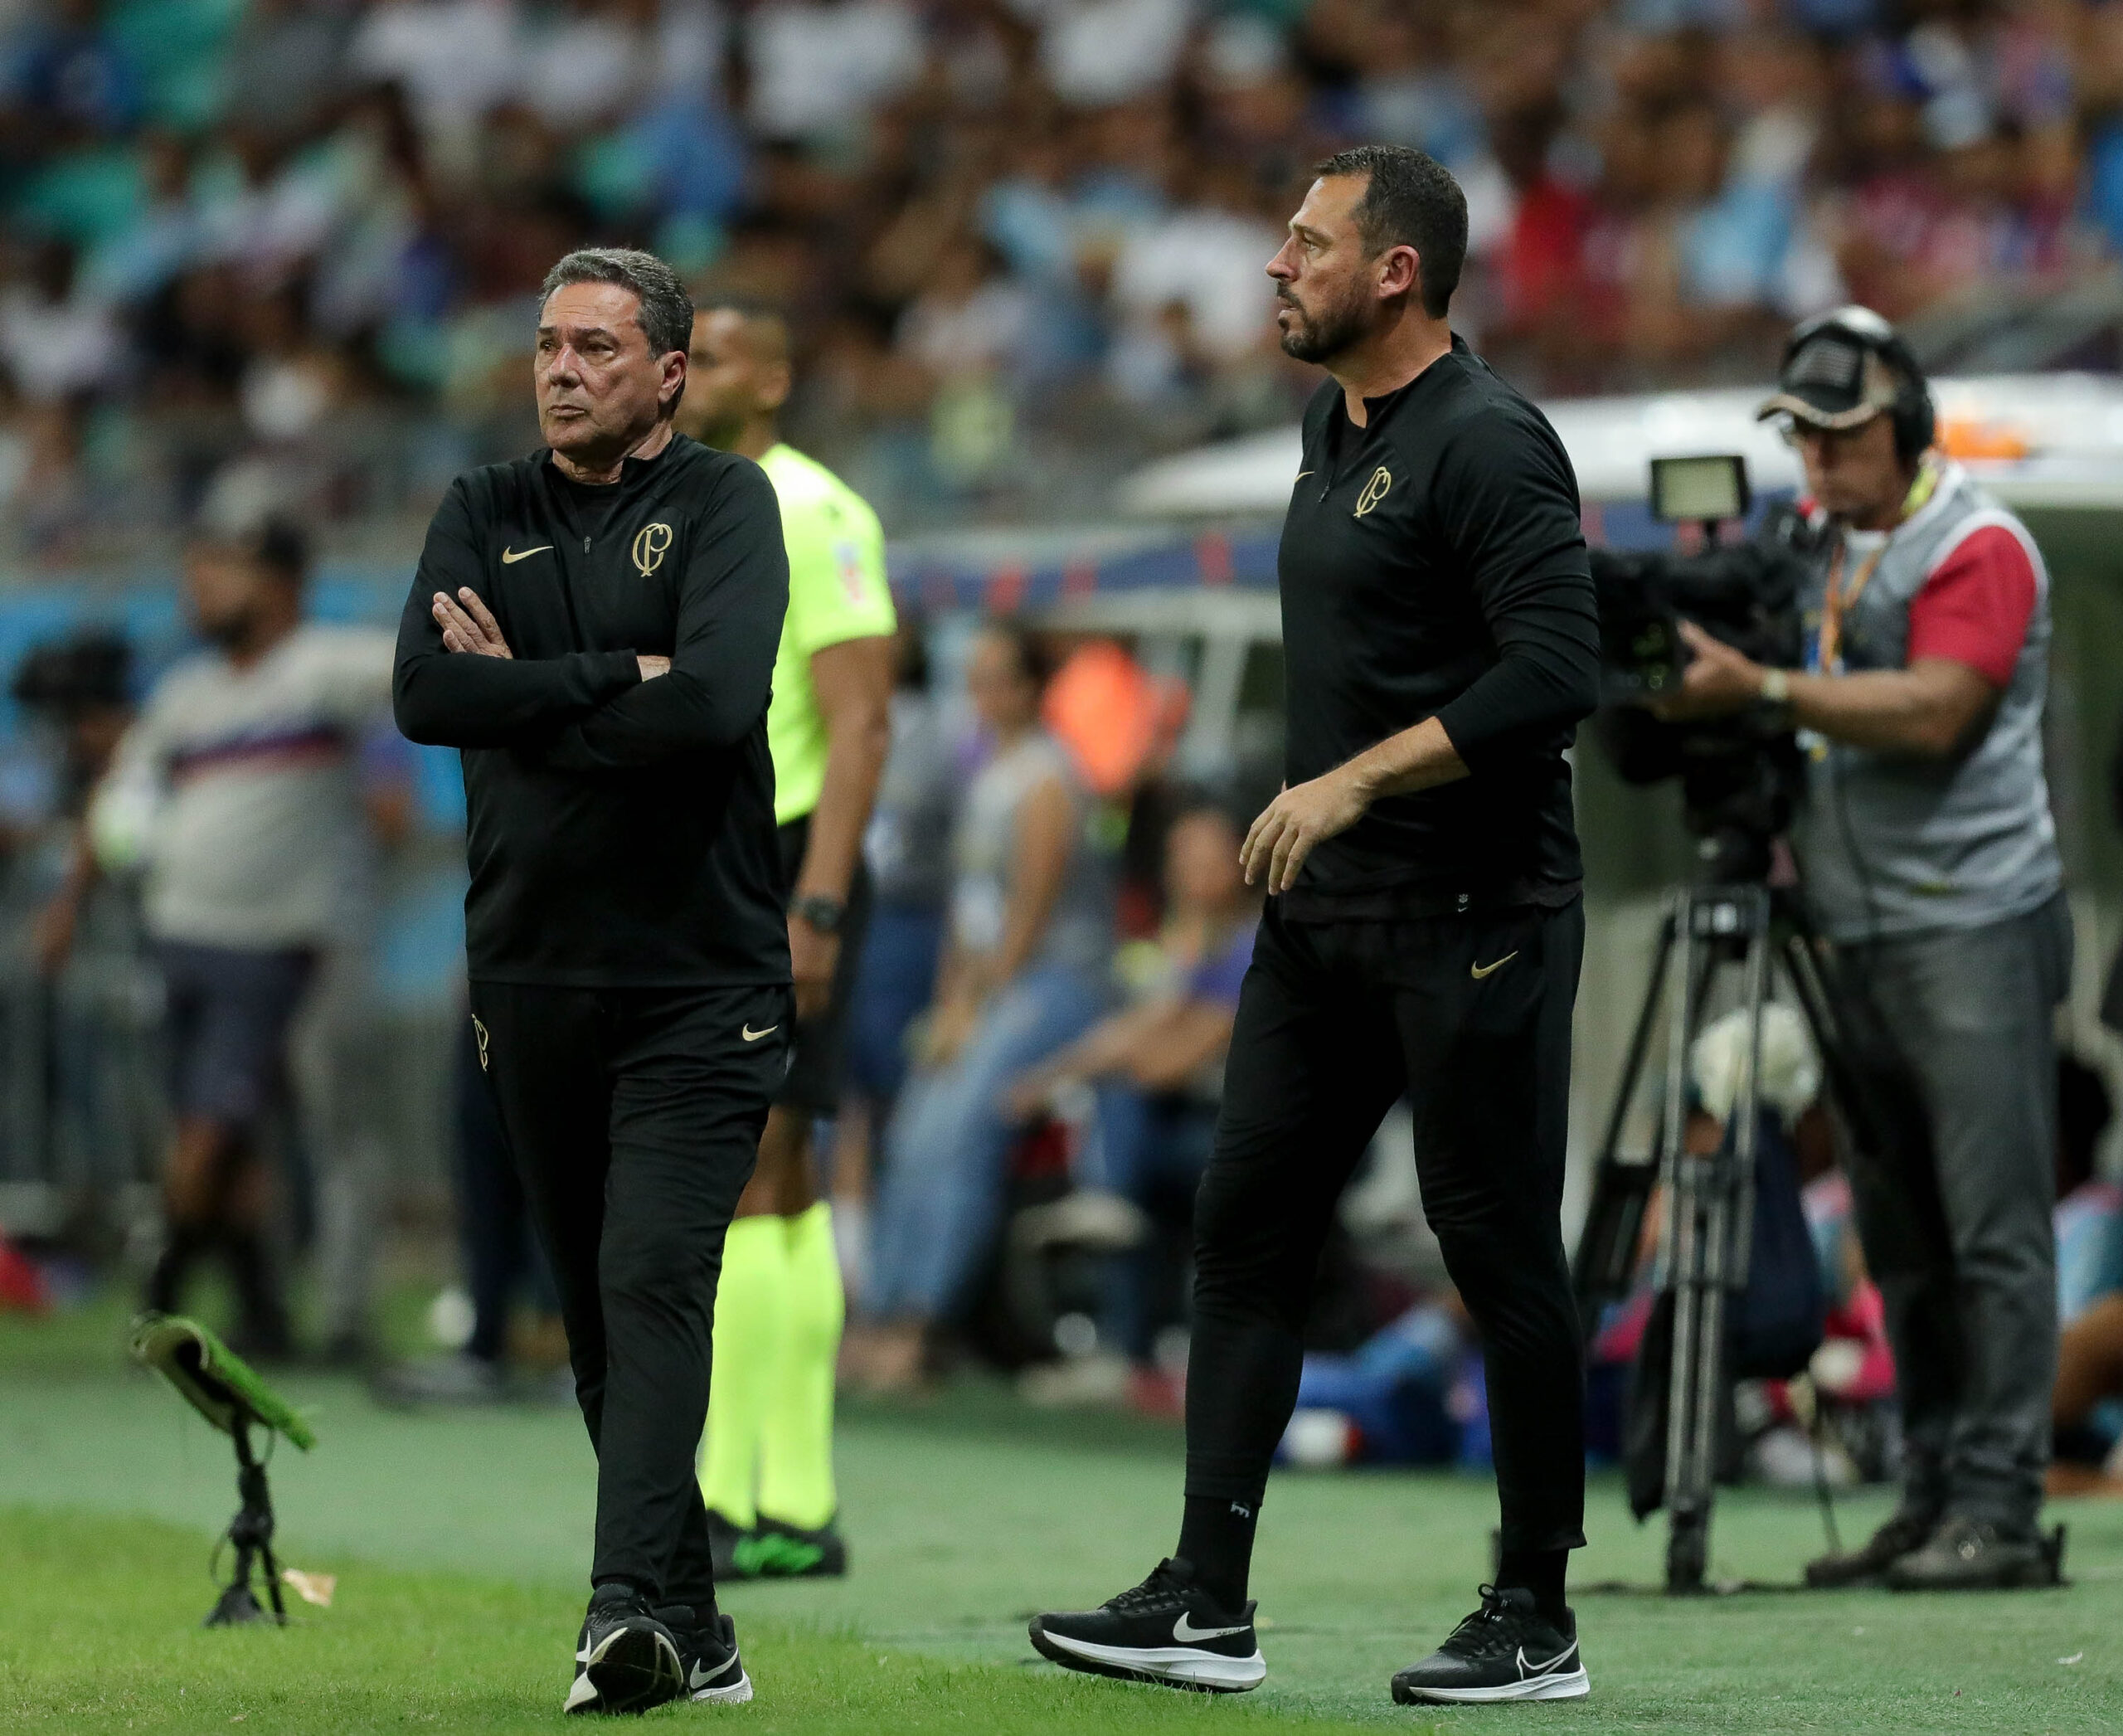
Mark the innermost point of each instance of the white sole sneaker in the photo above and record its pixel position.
(710, 1693)
(1574, 1684)
(630, 1670)
(1183, 1665)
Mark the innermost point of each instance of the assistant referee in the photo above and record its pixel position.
(1423, 934)
(596, 626)
(767, 1465)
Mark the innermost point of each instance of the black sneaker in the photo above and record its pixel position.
(779, 1551)
(725, 1539)
(1974, 1555)
(707, 1654)
(1167, 1630)
(626, 1659)
(1507, 1650)
(1908, 1530)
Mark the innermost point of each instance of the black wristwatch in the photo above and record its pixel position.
(821, 911)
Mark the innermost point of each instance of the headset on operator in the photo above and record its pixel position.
(1865, 677)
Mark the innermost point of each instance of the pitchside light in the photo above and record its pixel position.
(1699, 490)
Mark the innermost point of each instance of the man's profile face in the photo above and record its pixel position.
(732, 376)
(1324, 276)
(1853, 473)
(600, 387)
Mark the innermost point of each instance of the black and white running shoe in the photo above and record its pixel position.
(626, 1659)
(1507, 1650)
(1167, 1630)
(707, 1654)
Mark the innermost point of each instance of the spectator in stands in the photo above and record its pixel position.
(239, 792)
(908, 850)
(1022, 976)
(1651, 188)
(1156, 1068)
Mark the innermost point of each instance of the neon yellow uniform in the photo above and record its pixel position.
(837, 592)
(768, 1452)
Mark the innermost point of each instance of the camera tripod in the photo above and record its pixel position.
(251, 1534)
(1708, 930)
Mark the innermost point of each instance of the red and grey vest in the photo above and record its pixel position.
(1896, 844)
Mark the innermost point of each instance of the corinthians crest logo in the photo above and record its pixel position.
(649, 545)
(1374, 491)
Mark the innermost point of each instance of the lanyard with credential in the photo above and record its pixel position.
(1827, 647)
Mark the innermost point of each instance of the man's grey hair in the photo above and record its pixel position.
(667, 311)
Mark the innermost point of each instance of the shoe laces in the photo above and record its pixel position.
(1489, 1631)
(1164, 1587)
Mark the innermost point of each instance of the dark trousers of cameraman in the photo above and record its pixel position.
(1955, 1036)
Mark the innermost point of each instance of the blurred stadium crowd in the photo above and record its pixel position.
(284, 249)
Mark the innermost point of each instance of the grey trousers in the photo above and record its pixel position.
(1955, 1215)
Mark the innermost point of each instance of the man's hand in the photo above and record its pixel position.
(1717, 682)
(468, 624)
(1028, 1094)
(653, 666)
(812, 959)
(944, 1031)
(1290, 826)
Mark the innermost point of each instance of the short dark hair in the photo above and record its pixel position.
(272, 540)
(1412, 201)
(667, 311)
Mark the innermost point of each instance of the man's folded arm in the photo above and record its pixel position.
(458, 699)
(731, 598)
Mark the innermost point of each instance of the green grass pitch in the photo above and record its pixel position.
(460, 1542)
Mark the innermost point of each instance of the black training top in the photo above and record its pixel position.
(621, 830)
(1432, 565)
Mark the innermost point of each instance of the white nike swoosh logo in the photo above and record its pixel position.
(752, 1036)
(700, 1678)
(1479, 971)
(1185, 1631)
(1529, 1668)
(510, 556)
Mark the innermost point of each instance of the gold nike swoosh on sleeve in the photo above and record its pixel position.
(510, 556)
(1479, 971)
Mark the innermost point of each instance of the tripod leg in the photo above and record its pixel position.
(1607, 1248)
(1680, 1263)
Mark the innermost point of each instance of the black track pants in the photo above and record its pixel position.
(1470, 1016)
(634, 1117)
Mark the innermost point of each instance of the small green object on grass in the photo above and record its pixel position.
(214, 1380)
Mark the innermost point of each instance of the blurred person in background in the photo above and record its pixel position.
(766, 1463)
(497, 1253)
(1023, 974)
(240, 790)
(1930, 858)
(908, 851)
(1156, 1068)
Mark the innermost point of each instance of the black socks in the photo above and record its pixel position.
(1215, 1539)
(1540, 1572)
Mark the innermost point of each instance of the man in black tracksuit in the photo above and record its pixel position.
(596, 626)
(1423, 934)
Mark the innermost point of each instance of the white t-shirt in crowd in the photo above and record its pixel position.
(240, 789)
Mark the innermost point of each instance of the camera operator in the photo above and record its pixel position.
(1931, 861)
